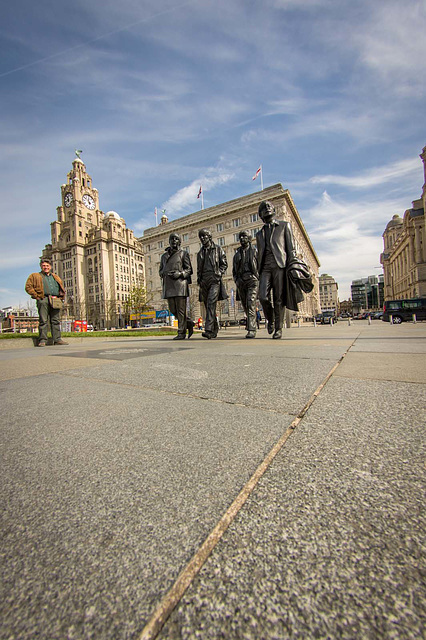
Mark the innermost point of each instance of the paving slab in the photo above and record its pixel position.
(330, 544)
(118, 457)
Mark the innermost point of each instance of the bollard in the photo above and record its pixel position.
(298, 323)
(391, 319)
(331, 322)
(315, 322)
(414, 318)
(369, 319)
(349, 322)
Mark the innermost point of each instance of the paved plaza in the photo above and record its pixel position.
(223, 489)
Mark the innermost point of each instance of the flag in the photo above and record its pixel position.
(199, 192)
(257, 173)
(155, 211)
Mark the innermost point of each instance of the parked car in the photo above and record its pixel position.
(403, 310)
(328, 317)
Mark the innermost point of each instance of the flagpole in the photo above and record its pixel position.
(261, 177)
(156, 221)
(202, 200)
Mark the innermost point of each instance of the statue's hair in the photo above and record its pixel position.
(174, 233)
(247, 232)
(266, 204)
(203, 231)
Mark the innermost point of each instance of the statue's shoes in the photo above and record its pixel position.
(251, 334)
(278, 334)
(271, 327)
(179, 337)
(190, 329)
(207, 334)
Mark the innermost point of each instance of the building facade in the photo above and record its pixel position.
(367, 294)
(97, 257)
(328, 291)
(225, 221)
(404, 255)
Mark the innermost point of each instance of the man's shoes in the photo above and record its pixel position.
(180, 336)
(271, 327)
(190, 329)
(207, 334)
(278, 334)
(251, 334)
(60, 341)
(42, 343)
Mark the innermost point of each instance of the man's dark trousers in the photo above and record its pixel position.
(46, 313)
(210, 288)
(177, 306)
(247, 291)
(272, 278)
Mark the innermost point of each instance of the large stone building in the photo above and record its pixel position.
(225, 221)
(404, 255)
(328, 289)
(94, 253)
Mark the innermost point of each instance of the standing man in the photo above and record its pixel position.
(276, 253)
(211, 265)
(175, 273)
(47, 288)
(246, 276)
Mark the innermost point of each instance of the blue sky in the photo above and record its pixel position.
(163, 95)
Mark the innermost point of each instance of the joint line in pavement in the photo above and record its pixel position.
(187, 575)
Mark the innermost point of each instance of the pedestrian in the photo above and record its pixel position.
(48, 290)
(211, 265)
(175, 273)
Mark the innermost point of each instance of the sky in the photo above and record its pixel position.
(163, 96)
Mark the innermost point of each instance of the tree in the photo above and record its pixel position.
(139, 300)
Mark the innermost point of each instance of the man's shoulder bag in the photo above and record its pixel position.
(55, 303)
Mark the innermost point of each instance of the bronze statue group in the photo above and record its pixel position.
(270, 271)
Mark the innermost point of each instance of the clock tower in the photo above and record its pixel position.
(97, 257)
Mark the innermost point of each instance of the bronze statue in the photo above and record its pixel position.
(246, 276)
(211, 265)
(175, 273)
(283, 275)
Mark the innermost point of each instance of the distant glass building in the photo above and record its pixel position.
(367, 294)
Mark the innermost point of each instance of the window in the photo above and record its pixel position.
(254, 231)
(219, 227)
(221, 242)
(236, 237)
(254, 217)
(185, 237)
(236, 222)
(160, 244)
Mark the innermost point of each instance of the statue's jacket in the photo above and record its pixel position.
(175, 261)
(220, 266)
(237, 265)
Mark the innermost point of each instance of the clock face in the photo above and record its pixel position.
(88, 201)
(68, 199)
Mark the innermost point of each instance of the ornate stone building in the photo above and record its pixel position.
(328, 288)
(94, 253)
(225, 221)
(404, 255)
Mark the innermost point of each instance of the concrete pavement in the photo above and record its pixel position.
(298, 464)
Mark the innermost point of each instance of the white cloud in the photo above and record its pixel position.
(372, 177)
(188, 195)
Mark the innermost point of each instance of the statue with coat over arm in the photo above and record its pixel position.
(284, 276)
(175, 273)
